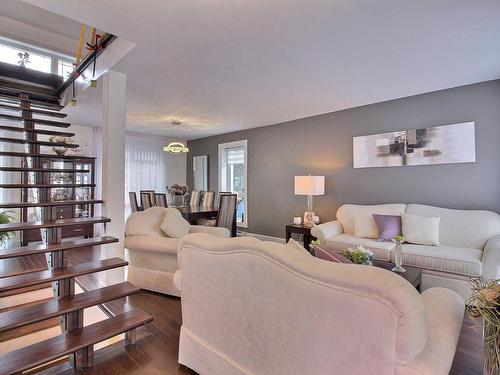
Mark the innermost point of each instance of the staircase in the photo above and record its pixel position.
(76, 342)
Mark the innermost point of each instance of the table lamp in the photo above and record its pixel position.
(310, 186)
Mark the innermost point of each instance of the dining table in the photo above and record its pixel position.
(195, 213)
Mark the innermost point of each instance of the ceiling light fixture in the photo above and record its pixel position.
(176, 146)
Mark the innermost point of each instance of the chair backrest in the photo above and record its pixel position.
(195, 198)
(146, 200)
(217, 200)
(226, 216)
(208, 199)
(132, 196)
(348, 309)
(161, 199)
(151, 197)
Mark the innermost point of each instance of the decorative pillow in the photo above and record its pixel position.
(174, 225)
(292, 244)
(389, 226)
(421, 230)
(365, 227)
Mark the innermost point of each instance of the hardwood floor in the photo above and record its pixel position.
(157, 343)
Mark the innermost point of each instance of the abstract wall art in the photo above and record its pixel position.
(444, 144)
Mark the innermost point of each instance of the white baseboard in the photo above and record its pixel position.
(266, 238)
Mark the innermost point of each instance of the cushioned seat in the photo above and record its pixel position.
(154, 244)
(381, 250)
(459, 260)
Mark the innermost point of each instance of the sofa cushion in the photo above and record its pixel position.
(365, 227)
(458, 260)
(421, 230)
(389, 226)
(381, 250)
(174, 225)
(146, 222)
(295, 246)
(462, 228)
(152, 243)
(347, 213)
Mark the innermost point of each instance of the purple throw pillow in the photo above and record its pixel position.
(389, 226)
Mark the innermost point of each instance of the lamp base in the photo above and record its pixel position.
(309, 218)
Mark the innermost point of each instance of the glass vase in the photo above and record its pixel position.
(398, 258)
(178, 200)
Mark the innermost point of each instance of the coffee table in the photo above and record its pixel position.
(413, 275)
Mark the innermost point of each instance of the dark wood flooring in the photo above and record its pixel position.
(157, 343)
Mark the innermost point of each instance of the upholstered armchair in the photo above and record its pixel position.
(253, 307)
(151, 238)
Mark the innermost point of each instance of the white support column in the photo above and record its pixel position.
(113, 166)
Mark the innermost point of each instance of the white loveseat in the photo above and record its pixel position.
(251, 307)
(470, 242)
(153, 255)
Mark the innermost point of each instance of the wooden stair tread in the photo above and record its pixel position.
(35, 355)
(58, 124)
(50, 204)
(36, 131)
(33, 110)
(45, 248)
(41, 143)
(46, 170)
(50, 275)
(59, 306)
(36, 103)
(43, 186)
(53, 223)
(48, 156)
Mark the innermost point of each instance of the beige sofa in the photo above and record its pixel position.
(252, 307)
(153, 255)
(470, 242)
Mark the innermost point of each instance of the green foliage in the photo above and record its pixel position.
(5, 218)
(359, 255)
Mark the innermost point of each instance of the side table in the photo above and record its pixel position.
(300, 229)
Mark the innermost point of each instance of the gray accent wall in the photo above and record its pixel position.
(322, 145)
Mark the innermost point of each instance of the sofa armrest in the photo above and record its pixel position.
(214, 231)
(178, 280)
(491, 259)
(326, 230)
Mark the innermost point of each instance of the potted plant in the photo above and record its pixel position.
(60, 150)
(5, 218)
(485, 303)
(359, 255)
(177, 193)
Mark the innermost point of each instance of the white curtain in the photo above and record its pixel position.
(145, 165)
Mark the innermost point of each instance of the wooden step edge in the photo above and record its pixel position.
(35, 278)
(53, 223)
(37, 354)
(41, 121)
(43, 170)
(34, 102)
(36, 131)
(45, 156)
(33, 110)
(59, 306)
(66, 245)
(41, 143)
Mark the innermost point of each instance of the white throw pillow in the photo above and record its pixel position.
(294, 245)
(174, 225)
(365, 227)
(421, 230)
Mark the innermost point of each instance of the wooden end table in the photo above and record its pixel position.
(305, 230)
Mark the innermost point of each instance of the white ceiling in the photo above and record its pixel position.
(221, 65)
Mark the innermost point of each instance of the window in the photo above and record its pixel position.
(233, 176)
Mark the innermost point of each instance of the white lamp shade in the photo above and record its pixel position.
(309, 185)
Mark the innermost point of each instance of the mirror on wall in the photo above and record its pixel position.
(200, 172)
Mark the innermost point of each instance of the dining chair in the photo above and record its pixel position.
(217, 200)
(132, 197)
(146, 200)
(208, 199)
(151, 197)
(161, 199)
(195, 198)
(226, 217)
